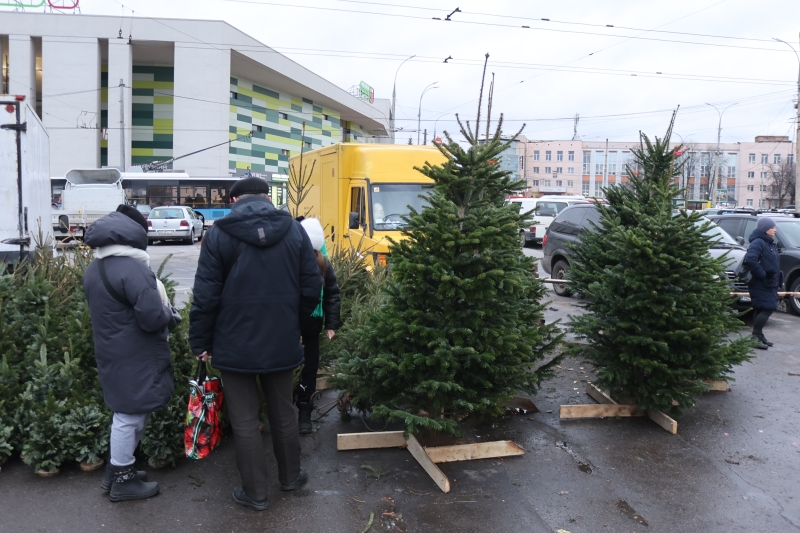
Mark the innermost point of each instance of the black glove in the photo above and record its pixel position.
(175, 319)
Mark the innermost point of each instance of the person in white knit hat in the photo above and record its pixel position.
(327, 313)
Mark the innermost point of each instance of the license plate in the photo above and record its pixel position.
(166, 232)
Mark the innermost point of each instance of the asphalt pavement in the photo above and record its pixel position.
(734, 466)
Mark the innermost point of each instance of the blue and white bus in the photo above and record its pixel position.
(206, 195)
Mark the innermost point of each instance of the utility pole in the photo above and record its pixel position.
(605, 168)
(712, 187)
(425, 137)
(122, 124)
(394, 94)
(575, 128)
(797, 133)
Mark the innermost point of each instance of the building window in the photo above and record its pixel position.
(762, 203)
(763, 175)
(570, 183)
(777, 159)
(587, 162)
(585, 188)
(731, 165)
(600, 162)
(751, 174)
(763, 188)
(752, 159)
(612, 163)
(559, 183)
(325, 117)
(548, 155)
(522, 162)
(559, 170)
(307, 144)
(535, 183)
(284, 151)
(571, 156)
(749, 202)
(284, 116)
(536, 155)
(559, 155)
(234, 96)
(751, 188)
(764, 159)
(547, 170)
(790, 159)
(546, 183)
(571, 170)
(535, 170)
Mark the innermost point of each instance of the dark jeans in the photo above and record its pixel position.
(242, 397)
(308, 379)
(760, 317)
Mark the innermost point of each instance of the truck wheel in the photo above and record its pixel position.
(794, 303)
(560, 271)
(522, 240)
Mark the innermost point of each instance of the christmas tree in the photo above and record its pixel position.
(459, 333)
(660, 317)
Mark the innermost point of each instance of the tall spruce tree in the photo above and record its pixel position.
(460, 332)
(660, 317)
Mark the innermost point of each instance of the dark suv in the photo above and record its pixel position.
(573, 221)
(740, 226)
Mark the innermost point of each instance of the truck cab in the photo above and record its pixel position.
(361, 192)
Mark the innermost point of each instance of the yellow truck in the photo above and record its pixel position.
(360, 192)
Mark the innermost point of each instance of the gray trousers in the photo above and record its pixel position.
(242, 397)
(126, 432)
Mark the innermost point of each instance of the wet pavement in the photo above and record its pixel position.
(734, 466)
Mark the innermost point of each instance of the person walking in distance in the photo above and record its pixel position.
(763, 261)
(327, 312)
(257, 280)
(131, 317)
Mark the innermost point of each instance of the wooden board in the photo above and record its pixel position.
(521, 402)
(597, 394)
(468, 452)
(599, 411)
(363, 441)
(664, 421)
(721, 385)
(322, 383)
(430, 467)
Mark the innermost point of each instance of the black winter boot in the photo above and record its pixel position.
(761, 345)
(304, 417)
(765, 341)
(126, 485)
(302, 479)
(108, 477)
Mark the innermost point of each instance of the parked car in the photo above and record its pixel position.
(740, 226)
(144, 209)
(573, 221)
(545, 210)
(170, 223)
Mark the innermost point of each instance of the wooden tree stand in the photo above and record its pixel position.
(428, 457)
(610, 408)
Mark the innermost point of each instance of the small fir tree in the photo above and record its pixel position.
(659, 317)
(460, 331)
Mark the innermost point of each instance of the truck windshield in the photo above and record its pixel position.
(391, 202)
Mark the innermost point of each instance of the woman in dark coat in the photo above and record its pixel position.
(130, 321)
(763, 261)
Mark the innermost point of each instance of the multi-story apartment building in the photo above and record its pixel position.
(120, 93)
(754, 174)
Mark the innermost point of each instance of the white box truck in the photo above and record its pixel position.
(24, 180)
(89, 194)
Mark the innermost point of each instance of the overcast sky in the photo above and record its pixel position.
(713, 51)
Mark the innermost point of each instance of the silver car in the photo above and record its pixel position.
(170, 223)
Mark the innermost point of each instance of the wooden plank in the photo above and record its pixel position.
(322, 383)
(376, 439)
(599, 411)
(720, 385)
(468, 452)
(664, 421)
(597, 394)
(430, 467)
(521, 402)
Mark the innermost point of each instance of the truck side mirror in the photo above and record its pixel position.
(353, 220)
(740, 240)
(63, 223)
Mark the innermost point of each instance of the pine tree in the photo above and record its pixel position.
(660, 317)
(460, 331)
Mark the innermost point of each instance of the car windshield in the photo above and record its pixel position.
(718, 233)
(549, 209)
(166, 213)
(391, 202)
(790, 231)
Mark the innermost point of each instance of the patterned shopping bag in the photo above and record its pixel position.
(203, 429)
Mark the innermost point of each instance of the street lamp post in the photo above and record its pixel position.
(435, 122)
(797, 134)
(394, 92)
(712, 189)
(684, 178)
(419, 111)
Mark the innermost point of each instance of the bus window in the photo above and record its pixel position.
(135, 192)
(194, 195)
(219, 195)
(163, 195)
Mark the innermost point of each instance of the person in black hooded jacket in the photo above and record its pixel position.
(257, 279)
(130, 320)
(763, 261)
